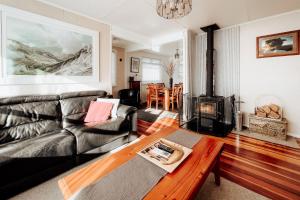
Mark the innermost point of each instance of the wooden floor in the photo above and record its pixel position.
(266, 168)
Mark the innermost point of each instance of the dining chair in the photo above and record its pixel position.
(156, 95)
(175, 95)
(160, 84)
(149, 85)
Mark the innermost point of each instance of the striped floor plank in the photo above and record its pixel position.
(269, 169)
(148, 128)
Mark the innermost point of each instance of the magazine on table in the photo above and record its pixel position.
(165, 154)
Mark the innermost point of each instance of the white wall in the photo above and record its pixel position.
(65, 16)
(277, 76)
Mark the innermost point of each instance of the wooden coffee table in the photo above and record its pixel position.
(183, 183)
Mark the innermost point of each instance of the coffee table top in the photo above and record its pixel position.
(183, 183)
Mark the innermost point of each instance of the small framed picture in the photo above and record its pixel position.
(280, 44)
(135, 65)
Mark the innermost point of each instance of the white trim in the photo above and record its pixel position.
(130, 36)
(172, 37)
(73, 11)
(46, 79)
(269, 17)
(116, 31)
(293, 135)
(256, 20)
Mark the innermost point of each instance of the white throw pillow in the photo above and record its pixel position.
(113, 101)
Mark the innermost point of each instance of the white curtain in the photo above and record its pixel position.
(199, 71)
(187, 73)
(226, 68)
(227, 62)
(187, 60)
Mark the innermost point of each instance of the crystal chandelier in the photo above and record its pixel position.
(173, 9)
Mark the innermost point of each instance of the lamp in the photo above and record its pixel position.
(173, 9)
(177, 55)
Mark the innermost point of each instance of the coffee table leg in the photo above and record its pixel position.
(216, 171)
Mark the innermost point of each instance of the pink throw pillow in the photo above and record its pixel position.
(98, 111)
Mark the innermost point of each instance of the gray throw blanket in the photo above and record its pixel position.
(135, 178)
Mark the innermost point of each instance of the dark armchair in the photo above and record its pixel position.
(130, 97)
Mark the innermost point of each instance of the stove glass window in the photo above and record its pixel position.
(208, 108)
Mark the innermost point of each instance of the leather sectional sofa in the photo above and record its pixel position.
(42, 136)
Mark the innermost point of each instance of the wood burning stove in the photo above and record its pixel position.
(208, 109)
(210, 105)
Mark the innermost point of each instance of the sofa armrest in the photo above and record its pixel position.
(129, 113)
(124, 111)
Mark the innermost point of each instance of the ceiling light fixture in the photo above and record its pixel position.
(177, 55)
(173, 9)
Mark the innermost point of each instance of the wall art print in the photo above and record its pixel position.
(280, 44)
(40, 49)
(135, 65)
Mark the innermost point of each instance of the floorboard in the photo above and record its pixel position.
(269, 169)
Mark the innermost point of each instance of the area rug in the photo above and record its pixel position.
(152, 115)
(290, 142)
(140, 175)
(227, 191)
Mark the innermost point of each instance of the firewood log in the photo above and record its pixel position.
(273, 115)
(274, 108)
(259, 109)
(261, 114)
(266, 109)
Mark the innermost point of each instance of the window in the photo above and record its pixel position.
(151, 70)
(114, 61)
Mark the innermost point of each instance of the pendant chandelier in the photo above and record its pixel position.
(177, 55)
(173, 9)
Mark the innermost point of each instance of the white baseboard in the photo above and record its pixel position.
(294, 135)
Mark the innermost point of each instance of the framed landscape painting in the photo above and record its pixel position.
(280, 44)
(47, 50)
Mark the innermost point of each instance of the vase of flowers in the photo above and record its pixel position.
(170, 69)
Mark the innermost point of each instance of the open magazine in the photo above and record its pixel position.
(165, 154)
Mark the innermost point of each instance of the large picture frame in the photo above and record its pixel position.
(56, 51)
(135, 65)
(279, 44)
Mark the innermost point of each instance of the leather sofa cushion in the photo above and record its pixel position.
(27, 99)
(52, 144)
(74, 106)
(25, 120)
(74, 110)
(29, 130)
(68, 95)
(90, 136)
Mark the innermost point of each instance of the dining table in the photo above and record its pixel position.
(166, 92)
